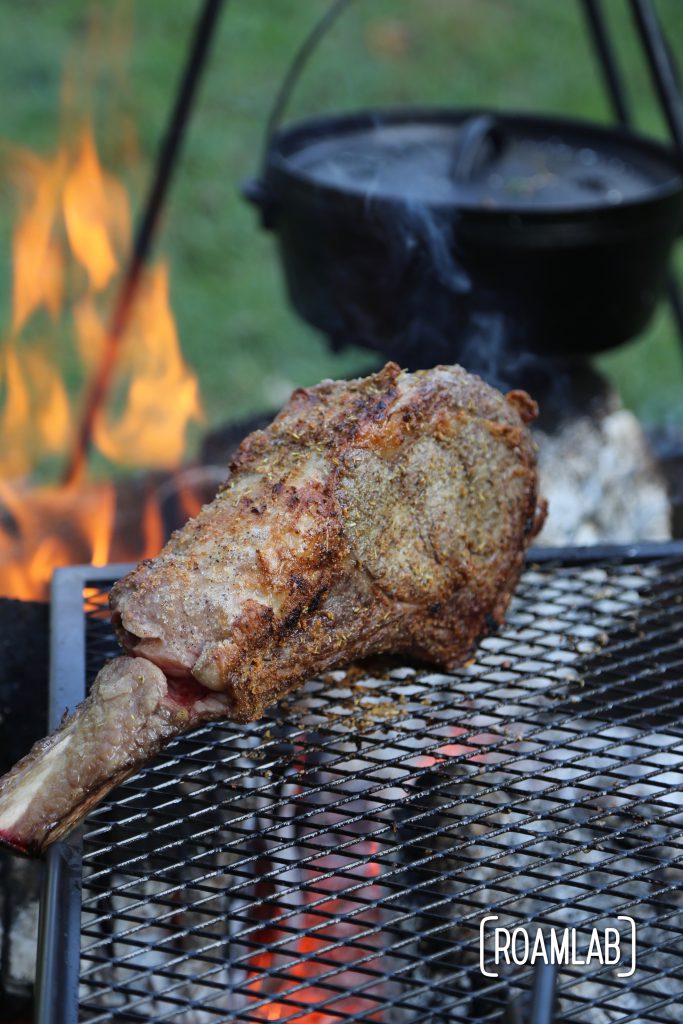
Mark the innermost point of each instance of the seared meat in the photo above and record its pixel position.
(390, 513)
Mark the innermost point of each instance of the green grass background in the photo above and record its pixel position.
(236, 327)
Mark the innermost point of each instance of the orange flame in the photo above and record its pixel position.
(298, 974)
(95, 212)
(151, 430)
(69, 245)
(36, 254)
(50, 527)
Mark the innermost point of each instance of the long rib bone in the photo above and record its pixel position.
(388, 514)
(131, 712)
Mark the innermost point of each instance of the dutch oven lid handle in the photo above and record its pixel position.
(301, 57)
(479, 144)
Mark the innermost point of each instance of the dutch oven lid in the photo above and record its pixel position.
(478, 160)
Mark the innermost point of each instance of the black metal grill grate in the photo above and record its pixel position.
(333, 861)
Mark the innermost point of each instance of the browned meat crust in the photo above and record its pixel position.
(390, 513)
(384, 514)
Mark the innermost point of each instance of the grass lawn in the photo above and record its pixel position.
(236, 328)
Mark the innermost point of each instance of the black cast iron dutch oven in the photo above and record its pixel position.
(426, 233)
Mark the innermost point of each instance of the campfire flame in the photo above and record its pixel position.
(292, 966)
(69, 247)
(299, 974)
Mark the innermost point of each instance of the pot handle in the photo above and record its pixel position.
(299, 61)
(255, 190)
